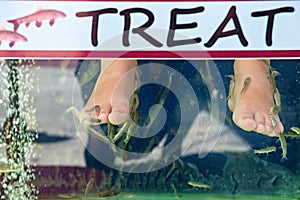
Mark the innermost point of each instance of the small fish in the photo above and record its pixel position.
(110, 130)
(275, 90)
(277, 97)
(89, 186)
(91, 121)
(95, 108)
(231, 86)
(265, 150)
(11, 36)
(172, 169)
(283, 146)
(86, 120)
(275, 109)
(121, 131)
(296, 130)
(275, 73)
(90, 130)
(273, 122)
(108, 193)
(6, 168)
(134, 101)
(291, 134)
(271, 77)
(38, 16)
(66, 196)
(266, 62)
(246, 83)
(175, 191)
(130, 132)
(198, 184)
(230, 76)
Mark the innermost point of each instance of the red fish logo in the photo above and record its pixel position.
(38, 16)
(11, 36)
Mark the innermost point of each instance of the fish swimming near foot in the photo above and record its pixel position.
(265, 150)
(283, 146)
(231, 86)
(296, 130)
(245, 85)
(38, 16)
(198, 184)
(11, 36)
(273, 122)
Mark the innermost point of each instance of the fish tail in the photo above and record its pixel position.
(283, 158)
(15, 23)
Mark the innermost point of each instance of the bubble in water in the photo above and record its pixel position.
(17, 81)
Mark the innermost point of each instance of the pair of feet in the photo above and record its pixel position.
(251, 107)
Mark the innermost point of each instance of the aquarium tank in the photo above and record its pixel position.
(181, 138)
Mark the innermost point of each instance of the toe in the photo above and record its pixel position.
(259, 118)
(119, 114)
(117, 117)
(104, 111)
(279, 127)
(272, 126)
(261, 126)
(245, 121)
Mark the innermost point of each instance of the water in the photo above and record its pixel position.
(16, 175)
(215, 153)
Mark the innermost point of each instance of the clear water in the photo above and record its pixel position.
(188, 135)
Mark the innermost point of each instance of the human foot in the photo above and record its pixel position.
(252, 98)
(110, 99)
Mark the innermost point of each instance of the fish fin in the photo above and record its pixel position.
(51, 22)
(37, 8)
(38, 23)
(230, 76)
(12, 43)
(15, 23)
(283, 159)
(25, 39)
(27, 24)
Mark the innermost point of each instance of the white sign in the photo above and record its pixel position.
(157, 29)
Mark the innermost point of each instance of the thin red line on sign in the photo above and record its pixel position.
(150, 54)
(145, 0)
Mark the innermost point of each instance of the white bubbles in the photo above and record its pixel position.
(18, 116)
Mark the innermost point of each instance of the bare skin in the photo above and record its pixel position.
(251, 107)
(110, 98)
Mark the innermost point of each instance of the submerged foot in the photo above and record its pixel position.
(252, 99)
(110, 99)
